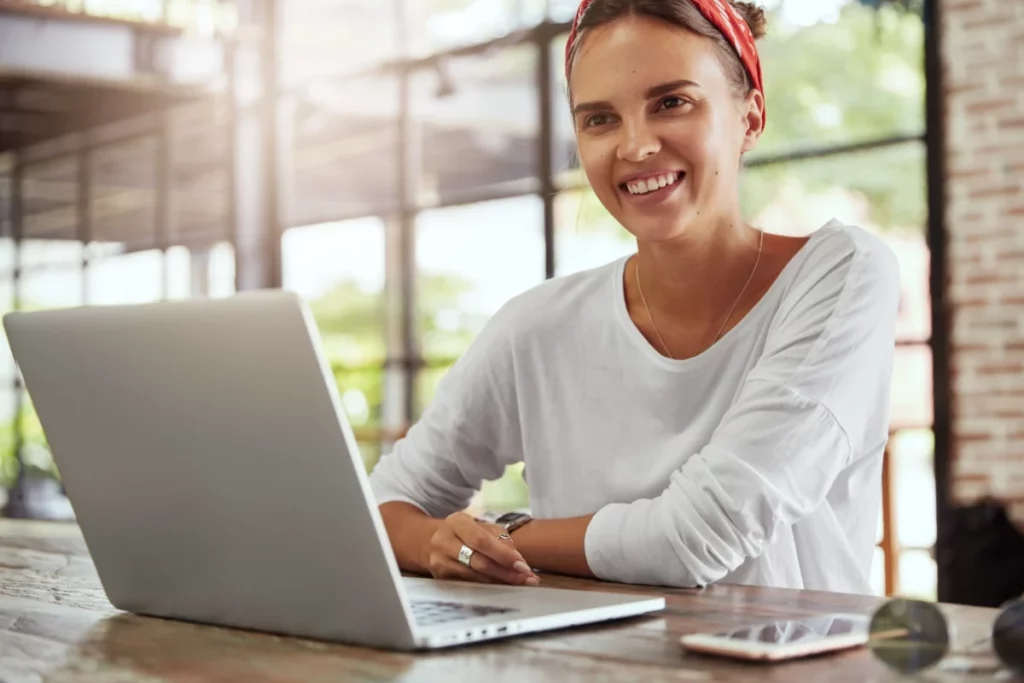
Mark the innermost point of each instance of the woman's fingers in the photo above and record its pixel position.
(485, 539)
(453, 569)
(482, 564)
(493, 557)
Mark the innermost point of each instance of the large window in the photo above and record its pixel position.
(586, 235)
(470, 260)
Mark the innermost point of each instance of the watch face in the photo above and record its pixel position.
(510, 517)
(513, 520)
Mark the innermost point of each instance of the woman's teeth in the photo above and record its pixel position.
(648, 185)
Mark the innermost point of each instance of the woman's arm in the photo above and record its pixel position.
(809, 403)
(425, 545)
(468, 434)
(555, 545)
(410, 530)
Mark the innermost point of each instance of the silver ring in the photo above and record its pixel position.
(465, 555)
(504, 537)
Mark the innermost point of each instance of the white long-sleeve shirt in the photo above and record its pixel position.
(756, 462)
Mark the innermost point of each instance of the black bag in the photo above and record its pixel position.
(983, 558)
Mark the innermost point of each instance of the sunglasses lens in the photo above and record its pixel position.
(1008, 636)
(909, 635)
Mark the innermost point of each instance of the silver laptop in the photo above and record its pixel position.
(215, 478)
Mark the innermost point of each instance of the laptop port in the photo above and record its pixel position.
(501, 629)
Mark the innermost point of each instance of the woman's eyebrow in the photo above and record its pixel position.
(655, 91)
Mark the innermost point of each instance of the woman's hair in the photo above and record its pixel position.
(681, 14)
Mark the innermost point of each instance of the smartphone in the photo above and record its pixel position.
(784, 639)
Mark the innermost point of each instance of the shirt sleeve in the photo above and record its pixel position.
(468, 433)
(816, 399)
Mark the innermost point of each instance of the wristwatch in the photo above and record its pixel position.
(509, 520)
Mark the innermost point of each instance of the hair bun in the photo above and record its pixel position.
(754, 16)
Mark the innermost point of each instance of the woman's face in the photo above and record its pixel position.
(659, 129)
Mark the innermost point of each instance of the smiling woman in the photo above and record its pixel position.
(711, 408)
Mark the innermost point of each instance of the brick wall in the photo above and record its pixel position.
(983, 59)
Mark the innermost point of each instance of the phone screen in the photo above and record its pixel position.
(789, 631)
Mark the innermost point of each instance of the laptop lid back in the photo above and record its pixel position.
(204, 449)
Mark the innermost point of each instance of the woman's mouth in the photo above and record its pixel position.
(652, 186)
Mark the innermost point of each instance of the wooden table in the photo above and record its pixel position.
(56, 625)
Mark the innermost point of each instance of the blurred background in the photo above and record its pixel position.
(408, 165)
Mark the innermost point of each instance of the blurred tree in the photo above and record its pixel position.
(858, 79)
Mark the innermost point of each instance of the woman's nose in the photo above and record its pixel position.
(637, 141)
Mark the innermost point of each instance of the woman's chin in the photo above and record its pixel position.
(658, 228)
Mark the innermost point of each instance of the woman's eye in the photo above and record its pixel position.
(672, 102)
(596, 120)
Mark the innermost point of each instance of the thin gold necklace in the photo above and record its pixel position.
(721, 330)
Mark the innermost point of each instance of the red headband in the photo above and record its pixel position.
(725, 18)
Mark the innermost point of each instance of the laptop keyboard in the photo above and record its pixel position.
(433, 612)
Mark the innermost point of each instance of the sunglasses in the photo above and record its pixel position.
(911, 636)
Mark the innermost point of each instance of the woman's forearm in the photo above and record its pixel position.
(555, 545)
(549, 545)
(410, 530)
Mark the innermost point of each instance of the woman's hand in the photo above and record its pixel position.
(494, 558)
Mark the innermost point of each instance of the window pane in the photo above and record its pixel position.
(179, 273)
(918, 575)
(471, 260)
(51, 288)
(124, 194)
(39, 253)
(327, 37)
(201, 177)
(50, 199)
(7, 369)
(7, 250)
(881, 190)
(361, 393)
(911, 393)
(369, 452)
(914, 322)
(128, 279)
(201, 18)
(839, 72)
(203, 271)
(478, 120)
(8, 463)
(437, 25)
(339, 269)
(912, 453)
(878, 572)
(507, 493)
(562, 10)
(346, 150)
(880, 527)
(222, 270)
(35, 451)
(586, 235)
(426, 386)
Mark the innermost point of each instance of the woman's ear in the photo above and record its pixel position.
(753, 119)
